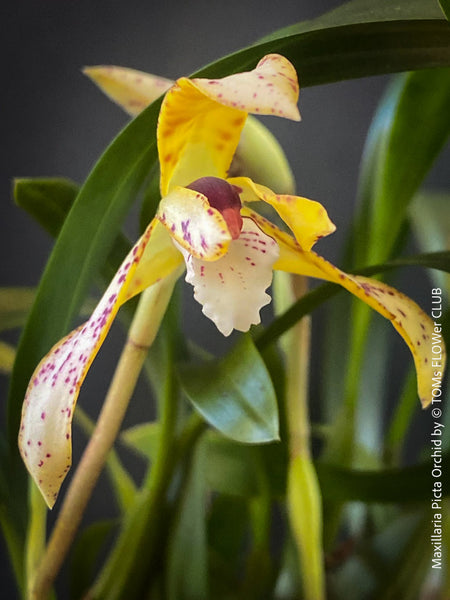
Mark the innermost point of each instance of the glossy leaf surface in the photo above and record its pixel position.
(235, 394)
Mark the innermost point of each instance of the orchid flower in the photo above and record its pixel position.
(206, 220)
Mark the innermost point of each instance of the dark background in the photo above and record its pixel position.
(55, 122)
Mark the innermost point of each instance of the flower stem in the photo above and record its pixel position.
(303, 492)
(144, 327)
(35, 542)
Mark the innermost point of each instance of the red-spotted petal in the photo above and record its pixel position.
(232, 289)
(132, 90)
(415, 327)
(201, 120)
(270, 89)
(46, 428)
(198, 227)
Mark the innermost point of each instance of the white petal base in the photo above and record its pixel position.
(232, 288)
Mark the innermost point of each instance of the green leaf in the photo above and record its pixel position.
(445, 5)
(230, 469)
(430, 215)
(405, 409)
(47, 200)
(229, 466)
(366, 11)
(150, 200)
(410, 128)
(187, 576)
(235, 394)
(85, 555)
(406, 485)
(143, 439)
(226, 543)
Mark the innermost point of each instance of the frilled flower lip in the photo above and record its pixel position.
(198, 131)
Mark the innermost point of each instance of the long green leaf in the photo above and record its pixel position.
(410, 128)
(187, 575)
(445, 5)
(47, 200)
(235, 394)
(430, 217)
(356, 12)
(410, 484)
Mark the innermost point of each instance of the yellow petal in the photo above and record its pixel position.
(194, 224)
(160, 258)
(201, 120)
(415, 327)
(197, 137)
(46, 427)
(132, 90)
(307, 219)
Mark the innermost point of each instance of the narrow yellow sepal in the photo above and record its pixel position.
(131, 89)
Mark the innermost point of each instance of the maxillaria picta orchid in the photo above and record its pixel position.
(230, 251)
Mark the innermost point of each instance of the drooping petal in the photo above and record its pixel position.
(415, 327)
(46, 427)
(201, 119)
(307, 219)
(198, 227)
(130, 89)
(232, 289)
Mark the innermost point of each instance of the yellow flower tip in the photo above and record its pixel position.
(281, 68)
(99, 74)
(269, 89)
(131, 89)
(307, 219)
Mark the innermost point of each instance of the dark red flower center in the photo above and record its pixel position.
(222, 196)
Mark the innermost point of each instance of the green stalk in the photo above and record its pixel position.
(303, 492)
(36, 534)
